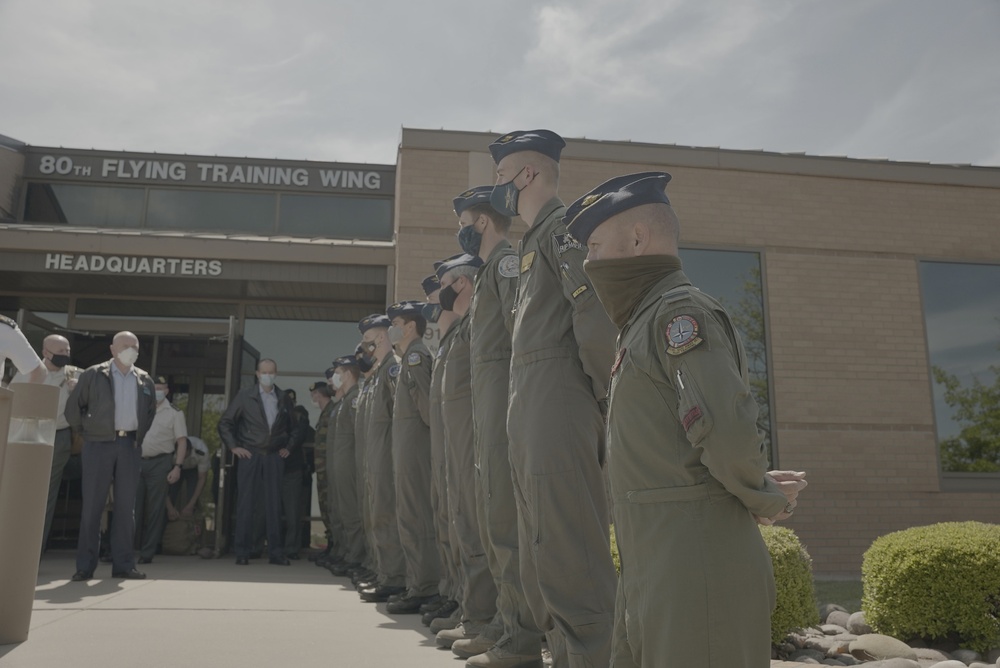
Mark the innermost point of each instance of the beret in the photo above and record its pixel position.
(611, 198)
(431, 284)
(471, 197)
(410, 308)
(372, 321)
(545, 142)
(462, 260)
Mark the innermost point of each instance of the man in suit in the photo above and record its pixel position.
(258, 428)
(112, 405)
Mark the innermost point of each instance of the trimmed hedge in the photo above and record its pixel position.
(796, 599)
(937, 582)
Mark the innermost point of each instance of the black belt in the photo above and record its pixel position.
(121, 433)
(162, 454)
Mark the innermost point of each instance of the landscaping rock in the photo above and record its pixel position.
(951, 663)
(875, 646)
(966, 656)
(856, 624)
(838, 617)
(827, 608)
(893, 663)
(928, 654)
(832, 629)
(980, 664)
(802, 654)
(993, 656)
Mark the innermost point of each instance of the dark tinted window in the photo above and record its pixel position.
(336, 217)
(962, 316)
(211, 211)
(86, 206)
(734, 278)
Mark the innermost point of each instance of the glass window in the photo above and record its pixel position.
(336, 217)
(734, 278)
(86, 206)
(211, 211)
(962, 317)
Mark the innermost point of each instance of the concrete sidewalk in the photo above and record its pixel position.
(195, 612)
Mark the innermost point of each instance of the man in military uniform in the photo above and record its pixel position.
(322, 395)
(344, 460)
(562, 350)
(411, 458)
(451, 574)
(366, 575)
(687, 463)
(381, 478)
(483, 232)
(478, 602)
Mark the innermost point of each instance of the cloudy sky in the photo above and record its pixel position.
(912, 80)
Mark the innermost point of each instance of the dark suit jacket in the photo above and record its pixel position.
(90, 408)
(244, 424)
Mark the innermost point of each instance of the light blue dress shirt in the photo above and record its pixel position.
(126, 386)
(270, 401)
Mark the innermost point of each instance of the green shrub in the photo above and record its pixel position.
(796, 605)
(935, 582)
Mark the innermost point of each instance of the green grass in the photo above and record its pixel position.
(846, 593)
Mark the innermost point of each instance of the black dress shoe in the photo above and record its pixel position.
(279, 561)
(81, 576)
(321, 555)
(343, 568)
(130, 575)
(144, 560)
(242, 561)
(380, 593)
(432, 604)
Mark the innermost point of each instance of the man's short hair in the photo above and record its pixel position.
(421, 323)
(500, 221)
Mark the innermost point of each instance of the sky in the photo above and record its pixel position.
(906, 80)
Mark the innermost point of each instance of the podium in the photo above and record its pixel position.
(27, 433)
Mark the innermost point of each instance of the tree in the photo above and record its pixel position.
(976, 408)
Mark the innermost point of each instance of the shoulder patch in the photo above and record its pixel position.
(527, 261)
(413, 359)
(508, 266)
(394, 370)
(7, 321)
(565, 242)
(682, 334)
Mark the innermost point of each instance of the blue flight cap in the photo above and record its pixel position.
(462, 260)
(431, 284)
(410, 308)
(471, 197)
(346, 360)
(545, 142)
(612, 197)
(372, 321)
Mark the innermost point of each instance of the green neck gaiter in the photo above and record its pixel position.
(622, 283)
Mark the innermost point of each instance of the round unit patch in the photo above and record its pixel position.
(682, 335)
(508, 266)
(394, 370)
(413, 359)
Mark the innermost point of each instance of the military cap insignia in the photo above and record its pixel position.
(565, 242)
(682, 335)
(394, 371)
(468, 193)
(505, 139)
(590, 199)
(526, 261)
(413, 359)
(508, 266)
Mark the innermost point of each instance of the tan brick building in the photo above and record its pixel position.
(840, 242)
(864, 275)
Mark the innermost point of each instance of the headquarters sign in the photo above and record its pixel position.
(131, 265)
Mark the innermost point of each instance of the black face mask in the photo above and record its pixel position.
(365, 363)
(59, 361)
(447, 297)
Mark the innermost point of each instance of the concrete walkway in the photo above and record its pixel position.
(195, 612)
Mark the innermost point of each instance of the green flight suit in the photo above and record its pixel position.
(451, 572)
(345, 477)
(686, 464)
(479, 595)
(319, 461)
(361, 460)
(492, 319)
(381, 480)
(411, 462)
(563, 348)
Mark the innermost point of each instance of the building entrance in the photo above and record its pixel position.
(204, 363)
